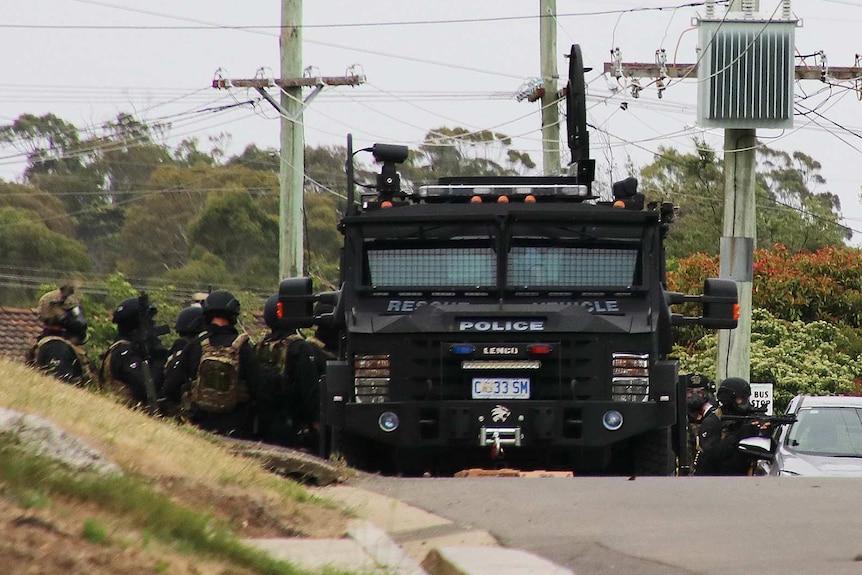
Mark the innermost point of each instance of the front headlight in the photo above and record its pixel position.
(630, 377)
(371, 378)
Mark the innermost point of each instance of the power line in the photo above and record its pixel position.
(773, 200)
(263, 27)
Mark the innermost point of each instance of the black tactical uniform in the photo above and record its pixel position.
(59, 347)
(135, 360)
(240, 419)
(293, 366)
(699, 399)
(189, 324)
(718, 439)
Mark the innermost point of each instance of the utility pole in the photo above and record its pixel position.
(550, 112)
(290, 107)
(733, 98)
(292, 170)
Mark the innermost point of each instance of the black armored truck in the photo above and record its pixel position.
(506, 321)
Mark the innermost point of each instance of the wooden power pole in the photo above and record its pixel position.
(290, 107)
(292, 170)
(550, 111)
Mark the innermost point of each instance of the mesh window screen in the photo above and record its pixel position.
(432, 267)
(571, 267)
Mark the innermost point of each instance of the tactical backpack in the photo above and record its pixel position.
(217, 387)
(107, 382)
(272, 356)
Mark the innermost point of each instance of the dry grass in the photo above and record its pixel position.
(190, 466)
(135, 441)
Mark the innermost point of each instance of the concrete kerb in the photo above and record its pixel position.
(406, 540)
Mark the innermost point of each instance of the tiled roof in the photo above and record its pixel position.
(18, 331)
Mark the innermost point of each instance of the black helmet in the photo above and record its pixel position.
(699, 390)
(129, 311)
(190, 321)
(731, 389)
(221, 303)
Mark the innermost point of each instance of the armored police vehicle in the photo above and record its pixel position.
(517, 321)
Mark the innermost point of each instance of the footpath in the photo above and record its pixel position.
(390, 537)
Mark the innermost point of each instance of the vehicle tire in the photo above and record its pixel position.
(360, 453)
(652, 454)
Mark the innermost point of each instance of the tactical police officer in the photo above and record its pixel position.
(59, 347)
(188, 325)
(133, 365)
(275, 351)
(217, 378)
(718, 438)
(700, 401)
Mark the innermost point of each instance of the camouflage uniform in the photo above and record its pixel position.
(220, 311)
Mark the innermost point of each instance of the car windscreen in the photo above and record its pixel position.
(830, 431)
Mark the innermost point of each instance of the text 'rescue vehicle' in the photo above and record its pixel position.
(512, 320)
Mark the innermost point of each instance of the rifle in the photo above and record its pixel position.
(148, 340)
(773, 420)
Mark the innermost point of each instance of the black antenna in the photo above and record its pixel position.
(351, 180)
(576, 119)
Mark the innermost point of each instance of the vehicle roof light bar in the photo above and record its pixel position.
(442, 191)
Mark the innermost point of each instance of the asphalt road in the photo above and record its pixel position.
(656, 526)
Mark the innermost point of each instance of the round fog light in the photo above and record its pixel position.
(612, 420)
(388, 421)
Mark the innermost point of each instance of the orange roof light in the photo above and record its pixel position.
(530, 200)
(619, 204)
(503, 200)
(386, 204)
(476, 200)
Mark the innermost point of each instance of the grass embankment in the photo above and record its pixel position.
(158, 458)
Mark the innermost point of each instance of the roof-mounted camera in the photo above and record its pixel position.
(388, 180)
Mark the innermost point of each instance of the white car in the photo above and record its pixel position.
(826, 439)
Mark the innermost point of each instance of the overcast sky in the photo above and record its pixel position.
(88, 60)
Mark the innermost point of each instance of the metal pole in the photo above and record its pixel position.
(550, 112)
(290, 251)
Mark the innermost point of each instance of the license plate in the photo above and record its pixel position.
(501, 388)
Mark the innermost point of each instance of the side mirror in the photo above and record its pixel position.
(296, 300)
(720, 304)
(757, 447)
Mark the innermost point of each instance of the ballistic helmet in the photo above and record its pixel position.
(131, 311)
(190, 321)
(221, 303)
(730, 390)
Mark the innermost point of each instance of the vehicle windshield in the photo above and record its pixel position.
(831, 431)
(572, 267)
(451, 266)
(472, 263)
